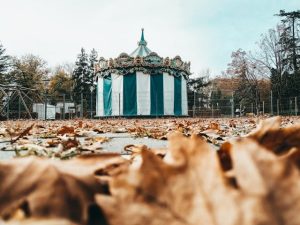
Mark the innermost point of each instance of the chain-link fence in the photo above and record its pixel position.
(83, 105)
(64, 106)
(228, 107)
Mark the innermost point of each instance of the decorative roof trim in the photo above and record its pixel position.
(124, 63)
(145, 70)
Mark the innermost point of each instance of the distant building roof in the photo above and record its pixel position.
(226, 85)
(142, 49)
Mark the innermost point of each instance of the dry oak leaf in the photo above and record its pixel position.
(188, 186)
(214, 126)
(23, 133)
(44, 188)
(70, 143)
(66, 130)
(185, 187)
(38, 222)
(101, 139)
(272, 182)
(278, 140)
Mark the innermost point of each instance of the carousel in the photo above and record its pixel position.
(142, 84)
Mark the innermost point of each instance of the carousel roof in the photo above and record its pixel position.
(143, 60)
(142, 49)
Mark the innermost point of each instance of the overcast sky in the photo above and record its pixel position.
(204, 32)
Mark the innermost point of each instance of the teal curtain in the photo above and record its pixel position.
(177, 96)
(129, 95)
(107, 91)
(157, 94)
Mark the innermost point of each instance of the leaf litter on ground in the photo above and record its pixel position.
(252, 178)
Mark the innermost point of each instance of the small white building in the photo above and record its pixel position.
(39, 108)
(69, 107)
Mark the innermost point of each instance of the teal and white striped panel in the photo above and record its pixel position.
(157, 94)
(129, 95)
(184, 101)
(177, 96)
(117, 94)
(107, 95)
(97, 105)
(100, 106)
(168, 94)
(143, 93)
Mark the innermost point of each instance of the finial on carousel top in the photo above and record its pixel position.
(142, 41)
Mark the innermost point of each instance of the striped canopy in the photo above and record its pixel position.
(139, 94)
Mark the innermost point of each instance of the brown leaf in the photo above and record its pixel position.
(273, 181)
(66, 130)
(23, 133)
(175, 190)
(51, 189)
(70, 143)
(101, 139)
(225, 156)
(214, 126)
(279, 140)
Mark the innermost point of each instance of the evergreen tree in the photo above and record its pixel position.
(216, 96)
(4, 64)
(81, 76)
(290, 40)
(285, 75)
(93, 58)
(196, 91)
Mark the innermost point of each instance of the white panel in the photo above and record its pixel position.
(184, 102)
(168, 94)
(100, 106)
(97, 105)
(143, 93)
(117, 94)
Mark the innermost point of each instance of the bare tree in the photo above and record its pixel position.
(249, 73)
(270, 53)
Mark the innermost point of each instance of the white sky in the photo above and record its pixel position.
(204, 32)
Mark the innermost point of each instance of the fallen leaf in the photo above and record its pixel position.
(66, 130)
(51, 189)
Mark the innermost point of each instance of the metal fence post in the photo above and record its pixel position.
(8, 99)
(232, 106)
(194, 105)
(91, 105)
(277, 107)
(46, 100)
(212, 110)
(271, 103)
(119, 104)
(296, 107)
(81, 105)
(19, 107)
(64, 106)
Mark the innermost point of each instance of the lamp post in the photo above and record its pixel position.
(46, 83)
(92, 89)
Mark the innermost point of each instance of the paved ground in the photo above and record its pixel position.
(116, 144)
